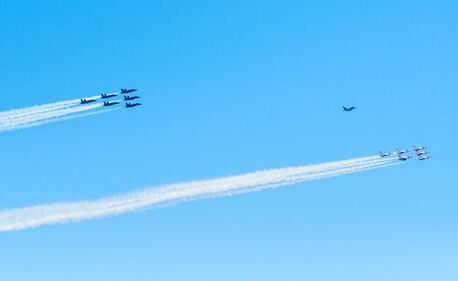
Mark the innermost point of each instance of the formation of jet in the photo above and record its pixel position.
(112, 95)
(85, 101)
(402, 153)
(126, 98)
(128, 105)
(131, 98)
(107, 96)
(126, 91)
(348, 108)
(110, 103)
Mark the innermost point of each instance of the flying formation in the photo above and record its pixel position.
(403, 156)
(115, 102)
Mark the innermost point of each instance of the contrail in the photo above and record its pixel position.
(64, 212)
(16, 113)
(31, 120)
(74, 116)
(6, 125)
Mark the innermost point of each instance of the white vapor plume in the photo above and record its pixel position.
(64, 212)
(16, 113)
(44, 115)
(69, 117)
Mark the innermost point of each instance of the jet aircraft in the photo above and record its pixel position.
(85, 101)
(424, 157)
(131, 98)
(419, 153)
(404, 158)
(107, 96)
(348, 108)
(110, 103)
(384, 154)
(401, 151)
(128, 105)
(414, 148)
(126, 91)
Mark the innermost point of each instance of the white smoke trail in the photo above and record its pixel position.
(74, 116)
(16, 113)
(33, 120)
(28, 217)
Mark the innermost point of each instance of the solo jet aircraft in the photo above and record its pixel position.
(348, 108)
(404, 158)
(384, 154)
(424, 157)
(110, 103)
(414, 148)
(128, 105)
(107, 96)
(419, 153)
(131, 98)
(85, 101)
(126, 91)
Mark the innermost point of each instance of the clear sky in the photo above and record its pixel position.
(230, 87)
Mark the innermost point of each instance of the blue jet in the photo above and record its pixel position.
(107, 96)
(131, 98)
(110, 103)
(348, 108)
(129, 105)
(85, 101)
(126, 91)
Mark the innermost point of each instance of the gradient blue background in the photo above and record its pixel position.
(230, 87)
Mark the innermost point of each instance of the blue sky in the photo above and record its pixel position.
(230, 87)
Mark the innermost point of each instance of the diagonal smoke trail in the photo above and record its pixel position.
(74, 116)
(16, 113)
(32, 120)
(28, 217)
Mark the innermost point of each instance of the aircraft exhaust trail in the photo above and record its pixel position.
(34, 117)
(74, 116)
(15, 113)
(65, 212)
